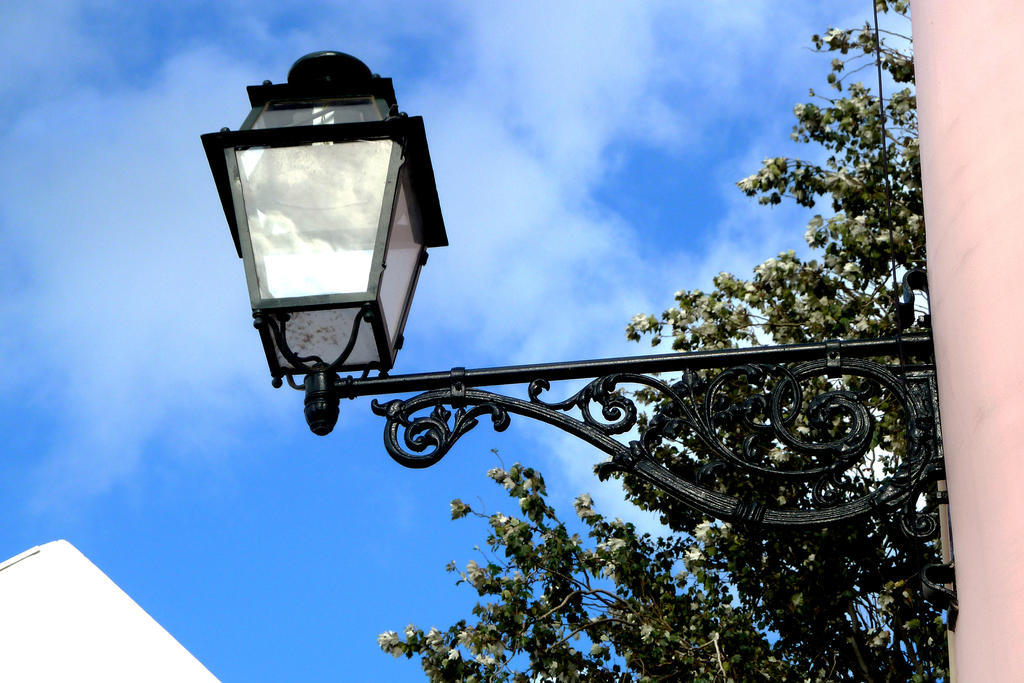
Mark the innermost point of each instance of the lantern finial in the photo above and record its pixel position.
(329, 67)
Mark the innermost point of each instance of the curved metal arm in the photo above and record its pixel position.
(828, 437)
(844, 435)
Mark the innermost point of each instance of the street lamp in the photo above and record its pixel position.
(330, 197)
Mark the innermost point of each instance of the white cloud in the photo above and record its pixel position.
(32, 60)
(127, 309)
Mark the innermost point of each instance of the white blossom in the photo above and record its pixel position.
(879, 639)
(583, 505)
(644, 323)
(390, 643)
(434, 638)
(459, 508)
(748, 184)
(474, 574)
(465, 637)
(612, 544)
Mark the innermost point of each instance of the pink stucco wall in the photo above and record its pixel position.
(970, 85)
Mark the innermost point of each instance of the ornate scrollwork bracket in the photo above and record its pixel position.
(781, 423)
(844, 433)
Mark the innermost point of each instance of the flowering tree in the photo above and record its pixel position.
(615, 606)
(711, 602)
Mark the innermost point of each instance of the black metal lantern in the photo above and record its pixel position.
(330, 197)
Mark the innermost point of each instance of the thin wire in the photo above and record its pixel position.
(888, 195)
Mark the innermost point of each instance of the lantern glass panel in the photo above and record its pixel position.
(323, 112)
(404, 256)
(313, 212)
(325, 333)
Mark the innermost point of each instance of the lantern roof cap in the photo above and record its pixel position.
(325, 74)
(327, 67)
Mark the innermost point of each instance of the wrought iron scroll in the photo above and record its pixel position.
(813, 424)
(277, 323)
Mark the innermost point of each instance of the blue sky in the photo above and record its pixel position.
(586, 155)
